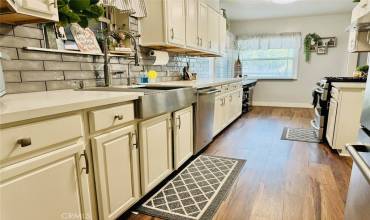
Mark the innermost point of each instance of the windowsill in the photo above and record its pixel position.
(272, 78)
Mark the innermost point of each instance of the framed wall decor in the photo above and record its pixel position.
(321, 50)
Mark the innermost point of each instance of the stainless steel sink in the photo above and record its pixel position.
(157, 99)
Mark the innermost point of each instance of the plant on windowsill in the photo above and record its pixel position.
(308, 40)
(79, 11)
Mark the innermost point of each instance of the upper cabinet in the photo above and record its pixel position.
(176, 31)
(28, 11)
(360, 13)
(202, 25)
(182, 26)
(222, 36)
(213, 30)
(192, 38)
(164, 25)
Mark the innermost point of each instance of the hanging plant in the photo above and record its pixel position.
(308, 40)
(79, 11)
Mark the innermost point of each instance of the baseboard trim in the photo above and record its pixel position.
(283, 104)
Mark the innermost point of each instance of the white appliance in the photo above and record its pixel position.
(3, 56)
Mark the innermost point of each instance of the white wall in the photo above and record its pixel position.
(297, 93)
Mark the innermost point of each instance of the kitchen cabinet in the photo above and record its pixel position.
(48, 186)
(155, 151)
(228, 106)
(192, 38)
(213, 30)
(222, 35)
(344, 115)
(164, 25)
(28, 11)
(219, 114)
(176, 21)
(202, 26)
(116, 163)
(182, 26)
(183, 136)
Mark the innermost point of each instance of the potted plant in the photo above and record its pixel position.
(79, 11)
(309, 40)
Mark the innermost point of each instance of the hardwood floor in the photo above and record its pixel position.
(281, 179)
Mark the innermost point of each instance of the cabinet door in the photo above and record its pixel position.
(192, 39)
(43, 6)
(219, 116)
(222, 35)
(183, 136)
(213, 31)
(46, 187)
(176, 21)
(155, 151)
(330, 129)
(202, 26)
(116, 171)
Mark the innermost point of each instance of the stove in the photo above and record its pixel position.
(321, 101)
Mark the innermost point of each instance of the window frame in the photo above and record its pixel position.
(295, 60)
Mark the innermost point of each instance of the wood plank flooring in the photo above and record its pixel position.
(281, 179)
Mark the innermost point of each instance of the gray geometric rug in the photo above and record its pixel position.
(197, 191)
(301, 134)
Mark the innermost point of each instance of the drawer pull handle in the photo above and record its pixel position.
(24, 142)
(87, 168)
(118, 117)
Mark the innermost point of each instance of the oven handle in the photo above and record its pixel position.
(319, 90)
(313, 124)
(362, 165)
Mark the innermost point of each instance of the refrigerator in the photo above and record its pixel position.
(358, 197)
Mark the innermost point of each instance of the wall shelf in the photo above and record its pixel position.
(121, 54)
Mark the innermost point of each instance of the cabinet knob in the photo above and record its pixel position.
(118, 117)
(24, 142)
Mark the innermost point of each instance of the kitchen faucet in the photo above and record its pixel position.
(107, 74)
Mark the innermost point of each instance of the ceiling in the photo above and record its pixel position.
(261, 9)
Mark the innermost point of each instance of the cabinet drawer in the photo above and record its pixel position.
(38, 135)
(109, 117)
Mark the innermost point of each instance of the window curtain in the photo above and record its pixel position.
(270, 41)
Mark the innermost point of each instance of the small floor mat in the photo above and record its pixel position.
(300, 134)
(197, 191)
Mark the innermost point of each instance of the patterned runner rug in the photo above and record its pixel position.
(197, 191)
(300, 134)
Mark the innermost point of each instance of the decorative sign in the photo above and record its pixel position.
(85, 39)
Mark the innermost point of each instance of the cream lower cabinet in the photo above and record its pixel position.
(344, 115)
(219, 114)
(155, 151)
(228, 106)
(49, 186)
(183, 136)
(116, 164)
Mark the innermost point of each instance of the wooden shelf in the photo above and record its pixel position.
(74, 52)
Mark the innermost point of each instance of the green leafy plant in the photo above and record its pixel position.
(315, 38)
(79, 11)
(356, 0)
(364, 69)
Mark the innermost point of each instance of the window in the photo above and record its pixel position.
(270, 56)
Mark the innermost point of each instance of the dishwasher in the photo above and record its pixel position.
(204, 117)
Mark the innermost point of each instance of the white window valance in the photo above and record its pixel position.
(270, 41)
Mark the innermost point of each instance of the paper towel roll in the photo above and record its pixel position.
(161, 57)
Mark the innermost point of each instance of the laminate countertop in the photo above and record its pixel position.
(199, 83)
(23, 106)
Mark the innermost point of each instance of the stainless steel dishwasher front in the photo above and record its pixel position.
(204, 118)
